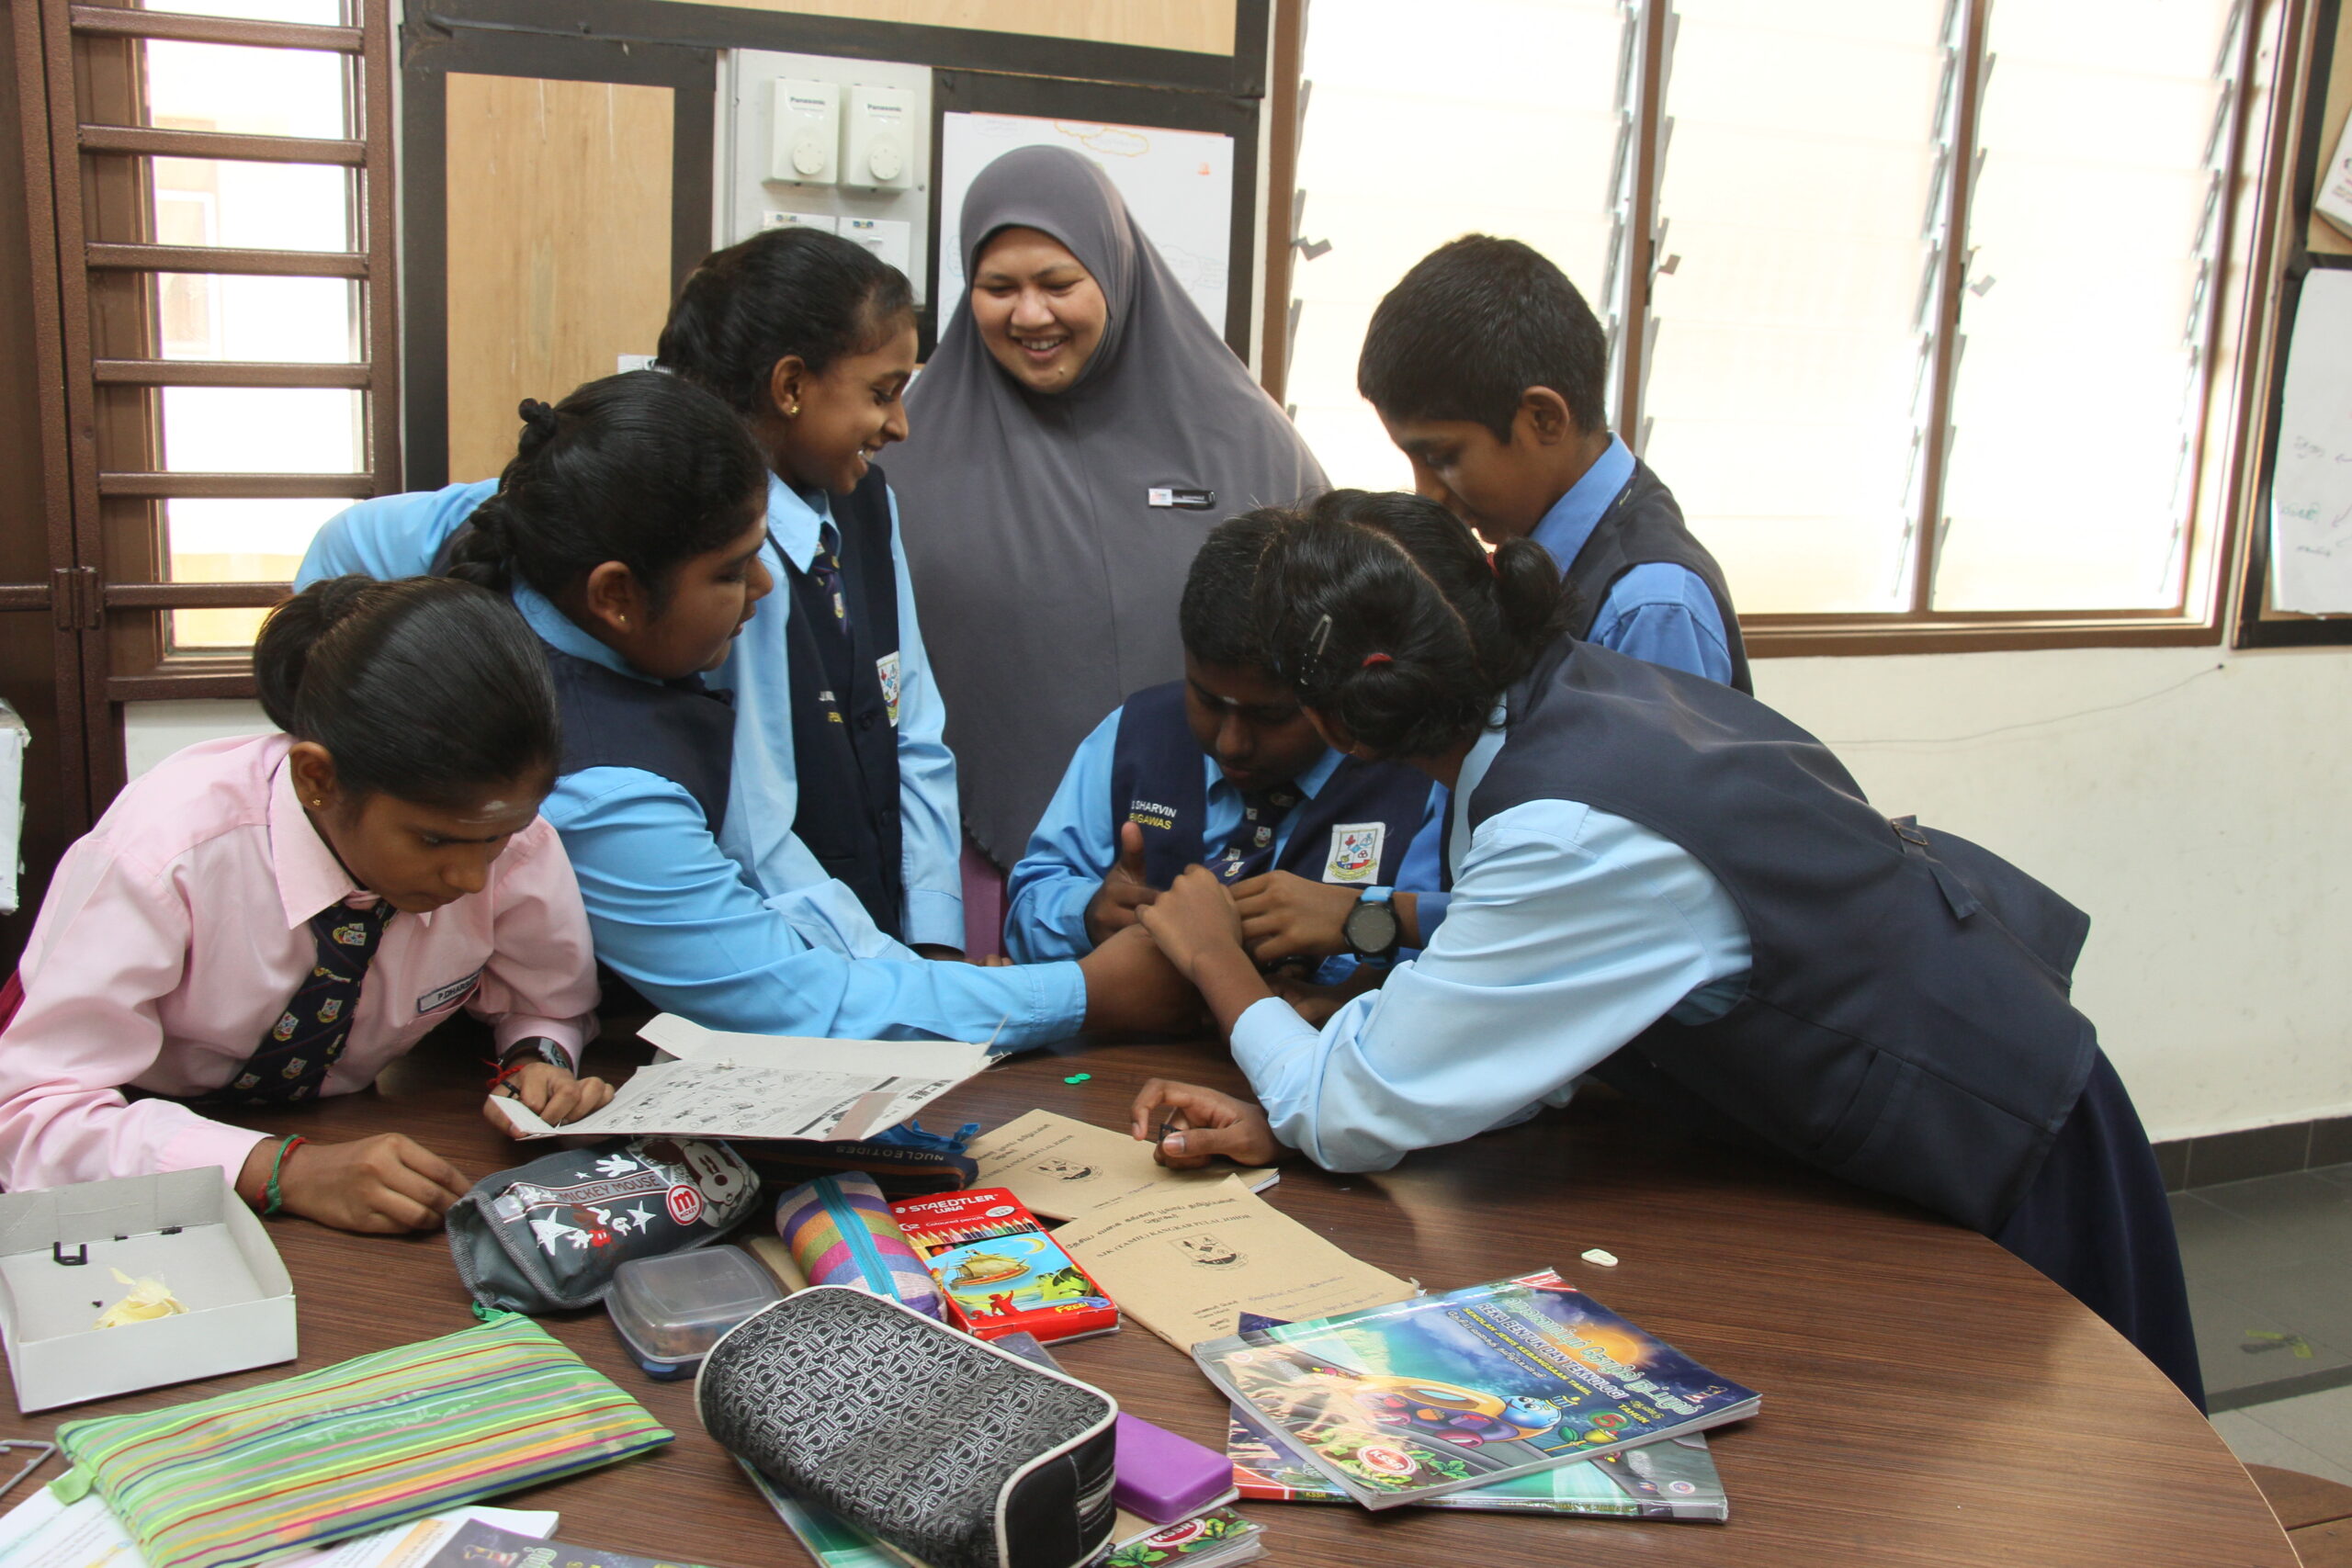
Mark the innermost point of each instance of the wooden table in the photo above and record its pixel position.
(1928, 1399)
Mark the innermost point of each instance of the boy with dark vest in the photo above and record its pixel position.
(1220, 769)
(1488, 368)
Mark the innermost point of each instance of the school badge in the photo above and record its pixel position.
(887, 666)
(1355, 853)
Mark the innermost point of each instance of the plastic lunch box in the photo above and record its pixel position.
(671, 1310)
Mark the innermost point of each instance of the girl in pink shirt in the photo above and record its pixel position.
(258, 922)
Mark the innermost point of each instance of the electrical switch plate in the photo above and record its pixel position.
(806, 148)
(878, 139)
(888, 238)
(824, 220)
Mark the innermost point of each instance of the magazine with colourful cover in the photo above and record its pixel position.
(1448, 1393)
(1672, 1480)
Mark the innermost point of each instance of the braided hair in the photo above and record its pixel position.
(1387, 617)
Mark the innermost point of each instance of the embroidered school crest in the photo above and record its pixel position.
(887, 666)
(285, 1029)
(1355, 852)
(353, 935)
(330, 1010)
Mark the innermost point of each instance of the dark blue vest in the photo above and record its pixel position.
(845, 728)
(1905, 1024)
(1644, 525)
(674, 729)
(1159, 781)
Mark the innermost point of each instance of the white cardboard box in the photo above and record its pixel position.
(184, 1227)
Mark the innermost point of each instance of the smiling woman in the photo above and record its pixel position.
(1078, 433)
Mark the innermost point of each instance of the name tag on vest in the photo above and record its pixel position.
(1180, 498)
(1355, 852)
(449, 995)
(887, 668)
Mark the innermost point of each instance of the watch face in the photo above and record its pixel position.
(1370, 928)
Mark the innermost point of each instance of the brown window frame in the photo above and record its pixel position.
(96, 332)
(2254, 179)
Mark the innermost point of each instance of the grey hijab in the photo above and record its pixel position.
(1046, 583)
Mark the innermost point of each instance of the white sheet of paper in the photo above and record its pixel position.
(773, 1085)
(2311, 488)
(42, 1532)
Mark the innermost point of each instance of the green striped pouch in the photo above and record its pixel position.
(354, 1448)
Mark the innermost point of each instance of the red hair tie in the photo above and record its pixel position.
(1372, 659)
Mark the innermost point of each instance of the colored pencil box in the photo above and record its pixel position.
(998, 1270)
(840, 1231)
(549, 1237)
(948, 1449)
(228, 1482)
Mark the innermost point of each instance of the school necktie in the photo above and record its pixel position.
(825, 566)
(310, 1034)
(1251, 851)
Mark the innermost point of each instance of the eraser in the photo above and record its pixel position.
(1164, 1478)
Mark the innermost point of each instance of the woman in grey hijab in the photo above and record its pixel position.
(1079, 431)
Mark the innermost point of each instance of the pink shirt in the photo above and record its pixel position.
(174, 934)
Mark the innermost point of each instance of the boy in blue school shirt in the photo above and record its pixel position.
(1220, 769)
(1488, 368)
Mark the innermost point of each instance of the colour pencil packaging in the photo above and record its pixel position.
(998, 1270)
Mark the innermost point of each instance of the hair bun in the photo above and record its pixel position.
(539, 424)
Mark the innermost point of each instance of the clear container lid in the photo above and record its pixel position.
(673, 1308)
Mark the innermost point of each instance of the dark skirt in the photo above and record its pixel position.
(2096, 1222)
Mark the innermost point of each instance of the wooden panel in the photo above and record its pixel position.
(2326, 236)
(558, 245)
(1202, 26)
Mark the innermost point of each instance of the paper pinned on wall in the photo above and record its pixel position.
(2310, 487)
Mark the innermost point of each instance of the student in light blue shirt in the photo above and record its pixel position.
(845, 813)
(1220, 769)
(630, 530)
(1490, 370)
(1662, 882)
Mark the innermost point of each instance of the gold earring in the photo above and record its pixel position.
(318, 805)
(792, 413)
(624, 620)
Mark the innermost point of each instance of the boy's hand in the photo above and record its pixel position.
(379, 1185)
(1315, 1003)
(1283, 915)
(1132, 990)
(1206, 1123)
(1192, 920)
(1113, 907)
(554, 1094)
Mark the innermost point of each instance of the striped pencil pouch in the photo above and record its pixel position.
(353, 1447)
(839, 1230)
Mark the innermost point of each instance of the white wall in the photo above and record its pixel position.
(153, 731)
(2203, 826)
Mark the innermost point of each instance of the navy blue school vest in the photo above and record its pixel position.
(674, 729)
(1905, 1024)
(1641, 525)
(845, 709)
(1159, 781)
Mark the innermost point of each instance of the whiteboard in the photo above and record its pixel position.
(2311, 489)
(1178, 184)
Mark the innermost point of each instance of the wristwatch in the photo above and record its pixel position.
(537, 1048)
(1371, 930)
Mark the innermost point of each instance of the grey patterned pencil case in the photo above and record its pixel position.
(953, 1450)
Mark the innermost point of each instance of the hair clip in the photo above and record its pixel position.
(1372, 659)
(1322, 635)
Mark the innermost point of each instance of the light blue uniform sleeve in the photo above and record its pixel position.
(390, 535)
(1572, 931)
(1662, 613)
(1070, 855)
(675, 916)
(931, 825)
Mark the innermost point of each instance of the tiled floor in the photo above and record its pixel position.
(2270, 1266)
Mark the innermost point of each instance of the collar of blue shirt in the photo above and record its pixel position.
(796, 520)
(1574, 516)
(1308, 784)
(559, 632)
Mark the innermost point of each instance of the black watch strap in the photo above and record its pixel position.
(536, 1048)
